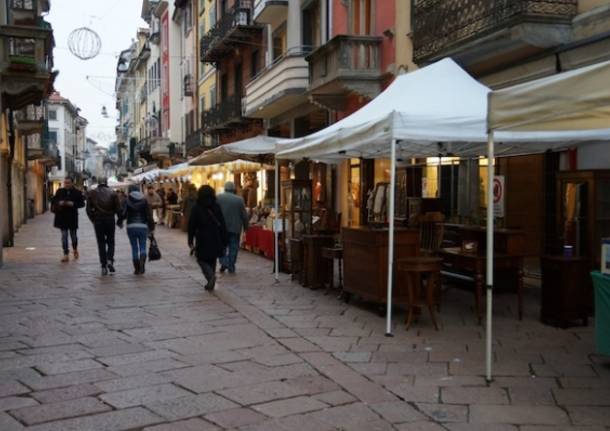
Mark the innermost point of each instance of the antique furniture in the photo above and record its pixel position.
(456, 263)
(431, 232)
(296, 252)
(413, 269)
(567, 293)
(331, 254)
(296, 214)
(365, 261)
(583, 212)
(602, 312)
(314, 266)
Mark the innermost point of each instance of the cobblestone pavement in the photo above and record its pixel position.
(80, 352)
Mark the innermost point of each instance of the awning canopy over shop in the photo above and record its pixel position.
(259, 149)
(573, 102)
(437, 110)
(179, 170)
(146, 176)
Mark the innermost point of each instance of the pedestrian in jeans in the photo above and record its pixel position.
(207, 228)
(65, 205)
(236, 217)
(140, 223)
(102, 207)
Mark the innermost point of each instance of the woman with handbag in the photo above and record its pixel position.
(207, 233)
(140, 224)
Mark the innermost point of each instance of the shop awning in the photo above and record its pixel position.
(146, 176)
(573, 102)
(259, 149)
(177, 170)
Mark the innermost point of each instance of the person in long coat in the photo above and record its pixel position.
(207, 233)
(65, 205)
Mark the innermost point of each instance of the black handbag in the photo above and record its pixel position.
(153, 251)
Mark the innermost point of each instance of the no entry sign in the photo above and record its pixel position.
(499, 195)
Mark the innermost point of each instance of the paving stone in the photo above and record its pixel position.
(531, 395)
(353, 356)
(587, 415)
(12, 388)
(119, 420)
(313, 384)
(67, 393)
(397, 412)
(7, 423)
(194, 424)
(562, 428)
(483, 427)
(10, 403)
(137, 369)
(124, 383)
(418, 393)
(420, 426)
(236, 418)
(462, 395)
(518, 415)
(582, 397)
(298, 345)
(444, 412)
(345, 417)
(146, 395)
(288, 407)
(118, 349)
(40, 383)
(190, 406)
(335, 398)
(261, 393)
(59, 410)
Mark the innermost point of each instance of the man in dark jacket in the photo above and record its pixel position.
(236, 218)
(102, 206)
(65, 205)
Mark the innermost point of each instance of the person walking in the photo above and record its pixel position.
(236, 217)
(154, 201)
(207, 233)
(140, 224)
(65, 205)
(102, 207)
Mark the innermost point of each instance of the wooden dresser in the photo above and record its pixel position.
(365, 261)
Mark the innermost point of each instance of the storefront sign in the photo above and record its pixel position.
(499, 196)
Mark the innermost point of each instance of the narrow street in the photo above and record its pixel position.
(81, 352)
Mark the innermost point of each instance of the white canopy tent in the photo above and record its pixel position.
(259, 149)
(437, 110)
(575, 103)
(146, 176)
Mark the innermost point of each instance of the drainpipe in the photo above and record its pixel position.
(9, 181)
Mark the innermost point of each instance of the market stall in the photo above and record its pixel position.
(445, 113)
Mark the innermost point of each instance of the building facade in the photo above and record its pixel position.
(26, 79)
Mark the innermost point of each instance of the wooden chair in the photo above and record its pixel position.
(414, 270)
(431, 230)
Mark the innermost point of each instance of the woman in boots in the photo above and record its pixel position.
(208, 230)
(140, 224)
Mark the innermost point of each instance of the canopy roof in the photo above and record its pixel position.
(574, 100)
(436, 110)
(259, 149)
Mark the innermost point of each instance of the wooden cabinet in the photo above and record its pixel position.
(365, 261)
(315, 266)
(296, 215)
(583, 199)
(567, 293)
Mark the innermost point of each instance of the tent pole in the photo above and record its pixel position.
(276, 251)
(388, 331)
(490, 253)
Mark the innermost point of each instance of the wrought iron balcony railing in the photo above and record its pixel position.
(441, 25)
(194, 141)
(215, 42)
(223, 115)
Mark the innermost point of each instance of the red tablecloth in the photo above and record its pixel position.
(259, 240)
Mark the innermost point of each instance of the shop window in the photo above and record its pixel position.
(52, 114)
(354, 192)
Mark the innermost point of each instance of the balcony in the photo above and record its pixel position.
(42, 150)
(30, 120)
(475, 31)
(26, 12)
(194, 143)
(272, 12)
(233, 28)
(279, 87)
(225, 115)
(26, 63)
(159, 147)
(345, 65)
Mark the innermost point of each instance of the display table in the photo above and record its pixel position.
(259, 240)
(506, 241)
(455, 261)
(567, 293)
(365, 261)
(601, 284)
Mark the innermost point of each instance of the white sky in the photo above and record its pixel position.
(116, 22)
